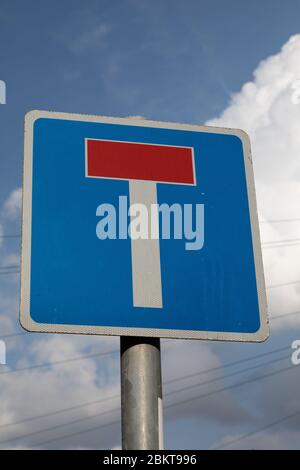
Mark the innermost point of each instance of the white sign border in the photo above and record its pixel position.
(30, 325)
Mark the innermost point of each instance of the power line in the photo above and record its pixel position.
(64, 410)
(63, 361)
(168, 406)
(232, 364)
(9, 272)
(289, 240)
(268, 287)
(265, 245)
(251, 433)
(85, 418)
(258, 356)
(11, 335)
(284, 242)
(285, 315)
(29, 333)
(49, 364)
(279, 244)
(10, 236)
(43, 365)
(76, 433)
(272, 286)
(278, 221)
(283, 245)
(10, 267)
(239, 384)
(232, 374)
(52, 428)
(272, 221)
(54, 363)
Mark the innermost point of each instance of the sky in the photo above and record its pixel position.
(220, 63)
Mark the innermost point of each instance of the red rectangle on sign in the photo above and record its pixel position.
(134, 161)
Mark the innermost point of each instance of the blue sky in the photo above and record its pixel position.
(181, 61)
(168, 60)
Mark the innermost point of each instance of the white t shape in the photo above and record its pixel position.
(145, 253)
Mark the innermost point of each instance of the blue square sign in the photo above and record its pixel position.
(136, 227)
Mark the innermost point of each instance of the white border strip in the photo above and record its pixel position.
(29, 324)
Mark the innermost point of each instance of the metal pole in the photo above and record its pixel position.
(141, 393)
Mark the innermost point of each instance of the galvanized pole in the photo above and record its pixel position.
(141, 394)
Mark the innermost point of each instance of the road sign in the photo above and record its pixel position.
(136, 227)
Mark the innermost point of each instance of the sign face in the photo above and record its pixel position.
(136, 227)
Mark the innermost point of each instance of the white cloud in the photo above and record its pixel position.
(276, 412)
(12, 205)
(58, 387)
(46, 390)
(192, 359)
(266, 110)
